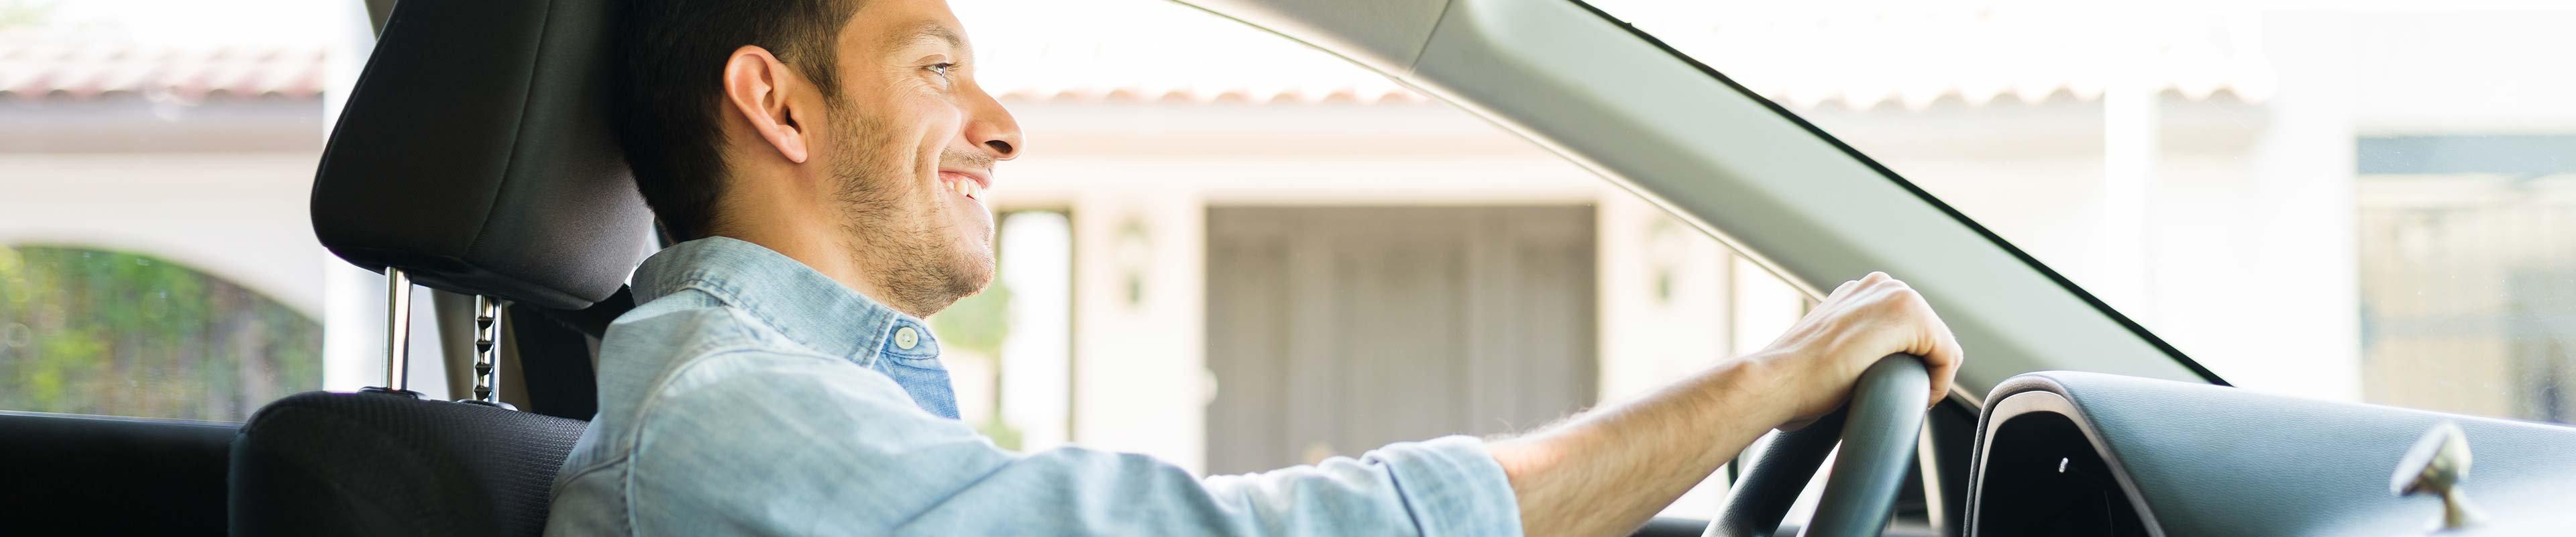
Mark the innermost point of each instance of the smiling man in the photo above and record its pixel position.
(826, 159)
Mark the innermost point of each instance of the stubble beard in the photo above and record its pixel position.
(906, 241)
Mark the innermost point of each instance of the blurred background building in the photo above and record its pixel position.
(1236, 253)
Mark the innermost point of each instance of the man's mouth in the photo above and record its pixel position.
(968, 184)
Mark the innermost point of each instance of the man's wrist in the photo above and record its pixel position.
(1747, 390)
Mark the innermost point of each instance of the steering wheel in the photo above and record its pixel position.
(1877, 430)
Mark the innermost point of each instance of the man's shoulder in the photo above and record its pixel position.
(680, 359)
(681, 340)
(675, 324)
(676, 329)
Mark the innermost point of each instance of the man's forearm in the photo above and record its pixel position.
(1606, 472)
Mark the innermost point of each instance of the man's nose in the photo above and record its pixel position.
(992, 128)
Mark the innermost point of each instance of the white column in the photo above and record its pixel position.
(1140, 369)
(1662, 297)
(353, 299)
(2119, 271)
(2301, 258)
(1037, 379)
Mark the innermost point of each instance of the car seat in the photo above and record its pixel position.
(475, 156)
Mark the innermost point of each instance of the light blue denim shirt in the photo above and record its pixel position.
(752, 395)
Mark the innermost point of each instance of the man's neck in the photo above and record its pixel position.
(825, 253)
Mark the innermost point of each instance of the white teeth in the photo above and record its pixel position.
(973, 189)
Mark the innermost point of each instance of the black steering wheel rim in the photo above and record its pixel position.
(1876, 430)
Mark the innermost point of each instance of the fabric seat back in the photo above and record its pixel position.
(370, 463)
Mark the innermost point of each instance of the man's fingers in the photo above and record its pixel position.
(1847, 286)
(1945, 357)
(1943, 376)
(1933, 340)
(1878, 297)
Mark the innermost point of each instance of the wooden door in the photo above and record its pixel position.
(1335, 330)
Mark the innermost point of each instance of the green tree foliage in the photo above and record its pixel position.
(976, 323)
(25, 13)
(94, 332)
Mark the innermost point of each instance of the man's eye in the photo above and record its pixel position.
(942, 69)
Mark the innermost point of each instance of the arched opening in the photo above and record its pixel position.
(87, 331)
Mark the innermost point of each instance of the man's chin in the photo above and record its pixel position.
(972, 272)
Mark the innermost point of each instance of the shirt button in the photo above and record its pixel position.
(905, 338)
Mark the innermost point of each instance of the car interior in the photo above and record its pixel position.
(475, 157)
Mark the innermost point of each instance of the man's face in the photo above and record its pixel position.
(913, 140)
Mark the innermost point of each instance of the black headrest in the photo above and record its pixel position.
(476, 154)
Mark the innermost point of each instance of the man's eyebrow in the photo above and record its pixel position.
(928, 32)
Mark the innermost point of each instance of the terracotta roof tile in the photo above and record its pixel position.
(36, 67)
(1158, 52)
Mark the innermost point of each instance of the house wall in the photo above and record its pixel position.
(238, 216)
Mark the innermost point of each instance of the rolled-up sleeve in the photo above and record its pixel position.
(792, 445)
(1452, 486)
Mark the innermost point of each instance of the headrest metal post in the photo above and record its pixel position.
(487, 352)
(397, 330)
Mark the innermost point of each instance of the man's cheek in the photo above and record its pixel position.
(935, 131)
(943, 120)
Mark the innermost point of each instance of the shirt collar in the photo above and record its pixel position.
(809, 308)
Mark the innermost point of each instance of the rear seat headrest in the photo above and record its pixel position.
(477, 155)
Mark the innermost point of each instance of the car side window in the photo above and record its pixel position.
(1303, 258)
(155, 256)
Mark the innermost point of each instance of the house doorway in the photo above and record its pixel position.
(1335, 330)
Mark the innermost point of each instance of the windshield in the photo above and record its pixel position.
(2351, 204)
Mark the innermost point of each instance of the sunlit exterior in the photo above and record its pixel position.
(2363, 205)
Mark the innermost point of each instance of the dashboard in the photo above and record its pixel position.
(2050, 480)
(2064, 453)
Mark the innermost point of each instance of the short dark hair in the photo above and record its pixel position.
(671, 92)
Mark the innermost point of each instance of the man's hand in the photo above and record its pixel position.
(1814, 364)
(1605, 472)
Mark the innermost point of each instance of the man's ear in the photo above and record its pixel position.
(757, 86)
